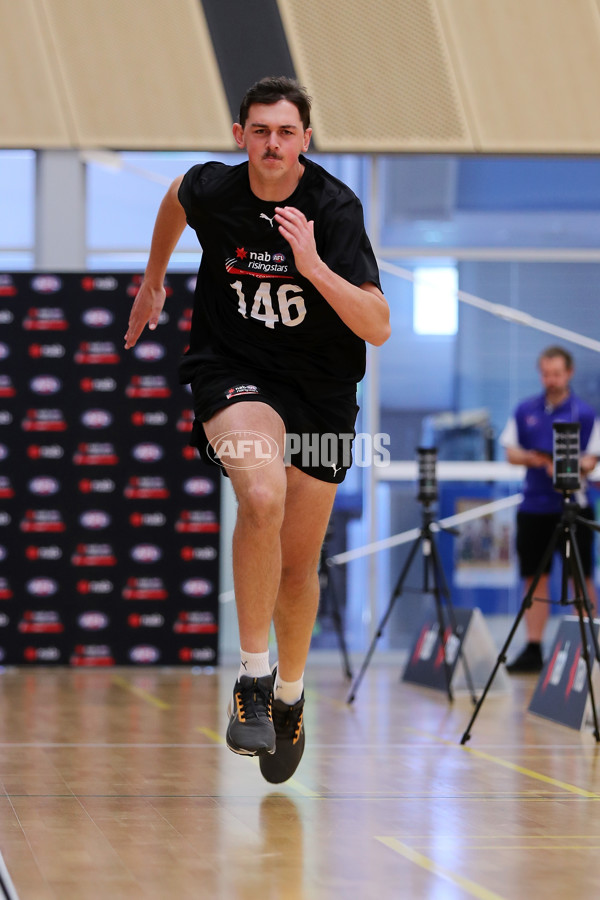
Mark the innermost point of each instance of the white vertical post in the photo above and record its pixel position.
(60, 214)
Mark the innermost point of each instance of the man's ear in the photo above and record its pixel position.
(238, 134)
(307, 137)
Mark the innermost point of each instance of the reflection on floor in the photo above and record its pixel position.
(117, 785)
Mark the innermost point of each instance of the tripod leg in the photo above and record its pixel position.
(395, 594)
(582, 585)
(337, 621)
(527, 601)
(430, 560)
(438, 573)
(582, 605)
(588, 665)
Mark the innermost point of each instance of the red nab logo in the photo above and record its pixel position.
(97, 353)
(42, 520)
(145, 620)
(146, 488)
(148, 386)
(96, 486)
(95, 455)
(41, 654)
(185, 321)
(43, 621)
(45, 319)
(6, 488)
(99, 283)
(45, 451)
(186, 421)
(195, 623)
(154, 418)
(196, 521)
(101, 385)
(101, 586)
(197, 654)
(6, 386)
(94, 555)
(7, 289)
(147, 520)
(92, 655)
(145, 589)
(44, 420)
(46, 351)
(48, 553)
(193, 553)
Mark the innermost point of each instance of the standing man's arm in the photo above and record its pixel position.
(148, 304)
(363, 309)
(518, 456)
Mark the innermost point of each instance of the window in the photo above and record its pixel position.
(435, 300)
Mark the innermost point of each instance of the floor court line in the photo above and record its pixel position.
(140, 692)
(505, 763)
(471, 887)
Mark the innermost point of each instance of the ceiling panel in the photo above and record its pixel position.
(529, 72)
(31, 113)
(138, 74)
(380, 74)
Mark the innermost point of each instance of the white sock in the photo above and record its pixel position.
(288, 691)
(254, 664)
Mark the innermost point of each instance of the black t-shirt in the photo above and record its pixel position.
(252, 307)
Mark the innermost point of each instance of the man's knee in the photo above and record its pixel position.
(295, 579)
(262, 503)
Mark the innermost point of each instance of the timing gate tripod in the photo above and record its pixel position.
(571, 569)
(431, 565)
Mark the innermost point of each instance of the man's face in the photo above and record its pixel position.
(273, 137)
(555, 376)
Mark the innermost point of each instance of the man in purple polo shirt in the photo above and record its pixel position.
(528, 441)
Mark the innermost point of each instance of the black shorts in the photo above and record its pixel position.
(319, 433)
(534, 532)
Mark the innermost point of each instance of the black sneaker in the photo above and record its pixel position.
(250, 731)
(289, 728)
(528, 661)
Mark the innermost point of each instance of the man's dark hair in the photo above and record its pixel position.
(556, 351)
(271, 90)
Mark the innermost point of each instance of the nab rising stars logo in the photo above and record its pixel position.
(257, 263)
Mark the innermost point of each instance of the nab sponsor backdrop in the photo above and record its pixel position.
(109, 521)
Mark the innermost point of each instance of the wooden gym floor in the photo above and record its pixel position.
(116, 785)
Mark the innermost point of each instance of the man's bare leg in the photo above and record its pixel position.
(307, 512)
(260, 490)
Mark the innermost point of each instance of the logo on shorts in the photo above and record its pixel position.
(239, 390)
(242, 449)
